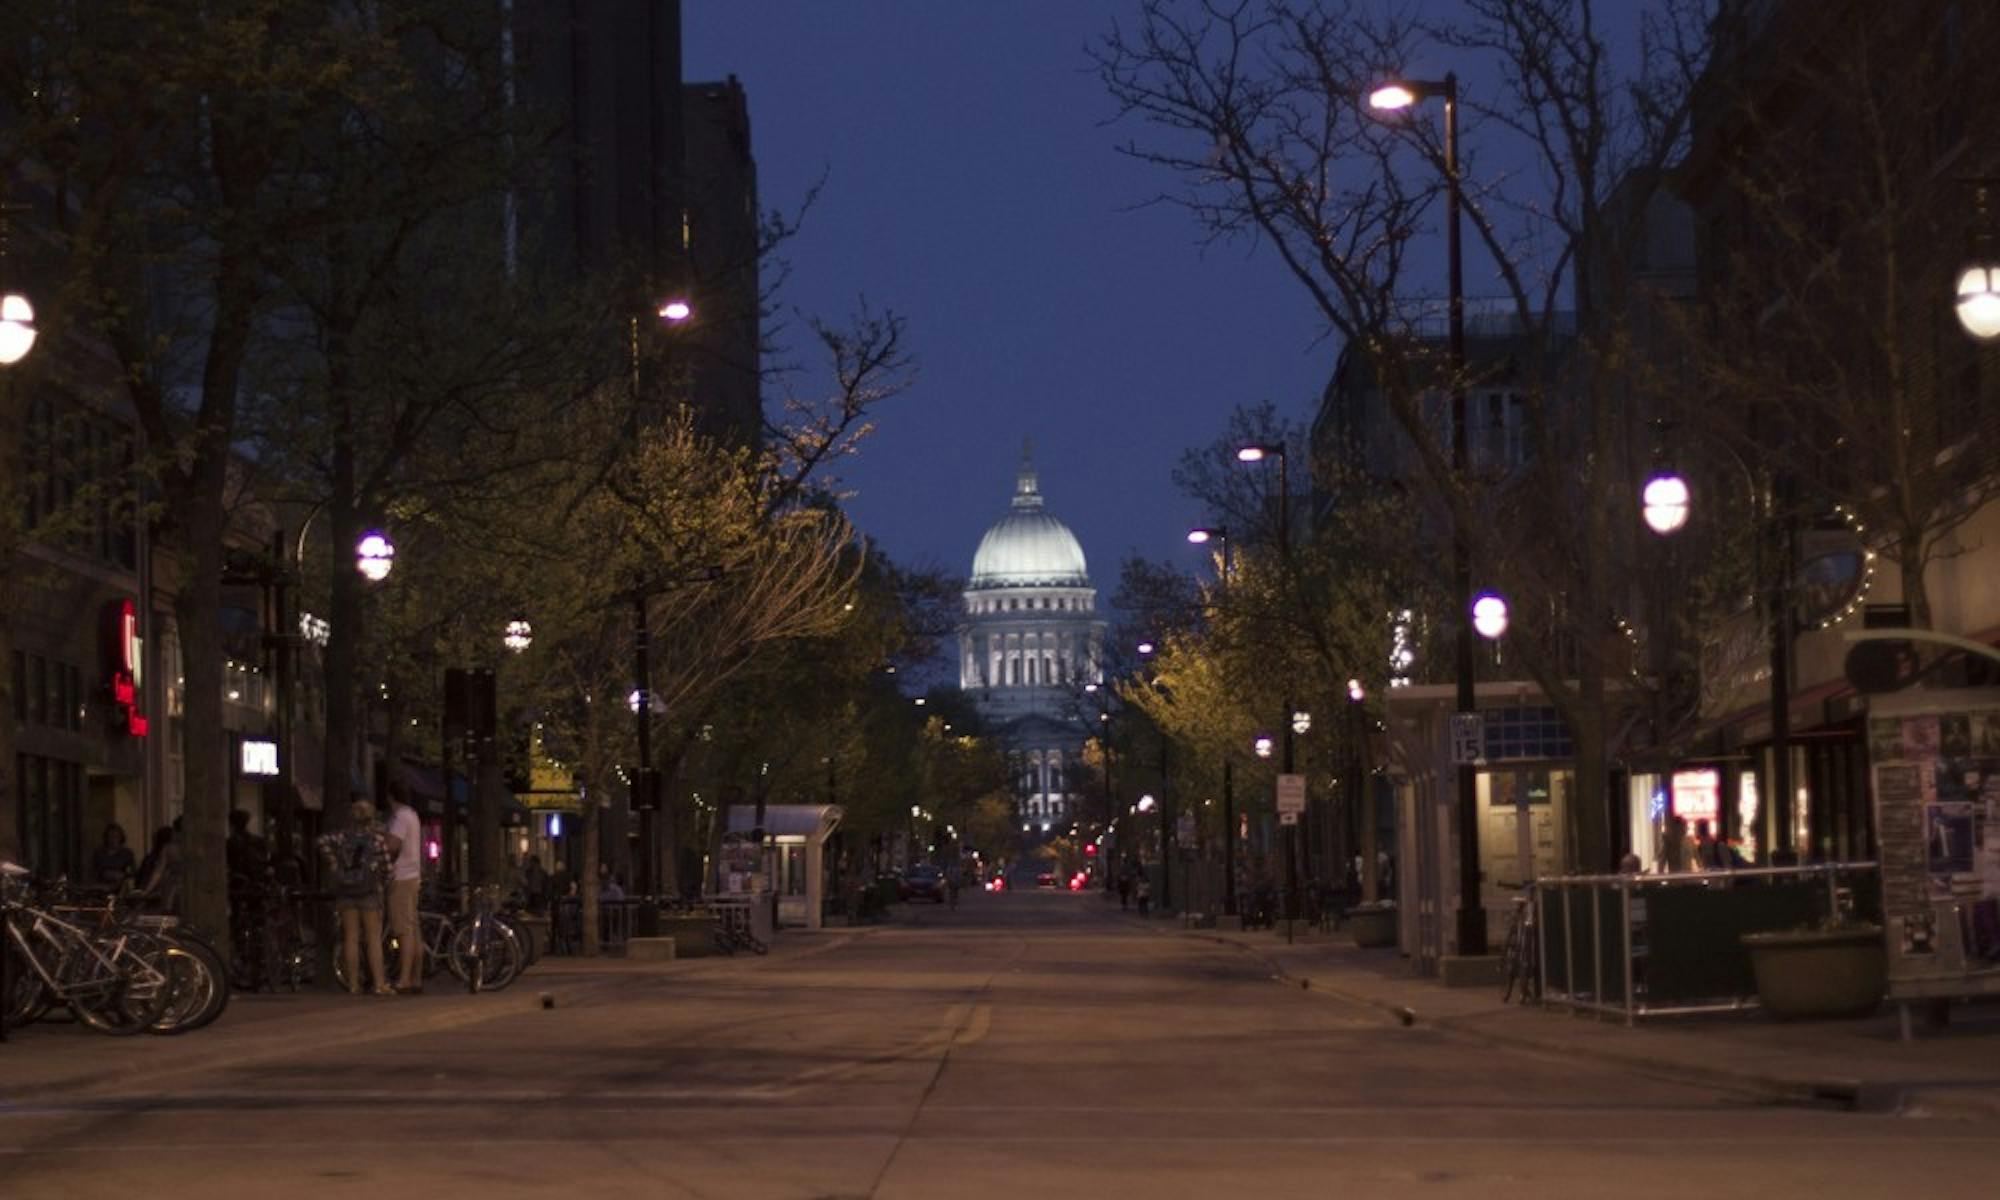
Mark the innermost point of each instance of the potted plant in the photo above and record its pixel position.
(1374, 924)
(1831, 969)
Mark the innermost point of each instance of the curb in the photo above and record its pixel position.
(1844, 1092)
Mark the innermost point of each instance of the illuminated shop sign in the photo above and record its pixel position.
(1697, 796)
(257, 756)
(128, 658)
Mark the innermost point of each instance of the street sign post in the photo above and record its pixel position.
(1468, 738)
(1291, 798)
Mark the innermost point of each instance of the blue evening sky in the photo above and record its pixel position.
(972, 186)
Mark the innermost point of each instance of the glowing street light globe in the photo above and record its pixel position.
(676, 310)
(1664, 503)
(1262, 746)
(374, 556)
(1978, 301)
(1146, 803)
(519, 636)
(1302, 722)
(1391, 97)
(1355, 692)
(17, 328)
(633, 700)
(1489, 616)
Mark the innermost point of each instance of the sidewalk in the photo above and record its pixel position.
(56, 1056)
(1861, 1064)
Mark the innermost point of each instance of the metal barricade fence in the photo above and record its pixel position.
(614, 924)
(1662, 945)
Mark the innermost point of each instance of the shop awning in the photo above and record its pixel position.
(787, 820)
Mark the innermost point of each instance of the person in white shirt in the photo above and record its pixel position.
(406, 833)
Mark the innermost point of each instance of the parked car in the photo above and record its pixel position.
(1047, 879)
(924, 883)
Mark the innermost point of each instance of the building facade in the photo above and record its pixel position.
(1030, 645)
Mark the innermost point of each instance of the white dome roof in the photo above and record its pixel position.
(1029, 547)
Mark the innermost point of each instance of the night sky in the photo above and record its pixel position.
(972, 185)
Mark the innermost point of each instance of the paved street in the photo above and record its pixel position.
(1030, 1044)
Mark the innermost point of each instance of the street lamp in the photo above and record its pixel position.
(17, 328)
(676, 310)
(1978, 305)
(1394, 96)
(374, 556)
(1262, 745)
(1489, 615)
(1664, 503)
(519, 636)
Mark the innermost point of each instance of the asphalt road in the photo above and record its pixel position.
(1023, 1045)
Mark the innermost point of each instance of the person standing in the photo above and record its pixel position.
(111, 864)
(358, 862)
(534, 884)
(406, 834)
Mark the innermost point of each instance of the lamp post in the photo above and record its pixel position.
(1167, 832)
(1202, 537)
(1666, 506)
(17, 337)
(1256, 454)
(1396, 96)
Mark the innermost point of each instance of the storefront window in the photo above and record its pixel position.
(51, 814)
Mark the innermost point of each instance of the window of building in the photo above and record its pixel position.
(50, 828)
(47, 692)
(1526, 732)
(79, 468)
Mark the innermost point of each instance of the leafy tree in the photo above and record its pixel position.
(1257, 111)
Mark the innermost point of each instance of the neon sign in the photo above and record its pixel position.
(129, 666)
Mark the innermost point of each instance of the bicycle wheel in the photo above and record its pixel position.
(486, 955)
(1510, 961)
(217, 976)
(117, 989)
(30, 999)
(530, 952)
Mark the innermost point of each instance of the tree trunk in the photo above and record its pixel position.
(488, 860)
(198, 613)
(1588, 826)
(12, 538)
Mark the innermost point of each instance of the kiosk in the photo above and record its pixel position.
(794, 855)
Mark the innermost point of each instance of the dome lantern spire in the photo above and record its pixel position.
(1027, 487)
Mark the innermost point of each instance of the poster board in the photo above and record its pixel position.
(1935, 784)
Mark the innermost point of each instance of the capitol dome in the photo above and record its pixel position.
(1028, 547)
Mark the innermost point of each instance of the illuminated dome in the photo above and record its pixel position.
(1028, 547)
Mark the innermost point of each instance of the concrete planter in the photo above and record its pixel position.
(1818, 973)
(1373, 925)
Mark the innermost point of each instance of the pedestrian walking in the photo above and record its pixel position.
(359, 861)
(406, 876)
(1143, 891)
(1125, 888)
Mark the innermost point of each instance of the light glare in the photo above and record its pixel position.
(1391, 96)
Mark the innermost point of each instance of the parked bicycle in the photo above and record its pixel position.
(483, 946)
(1521, 958)
(116, 970)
